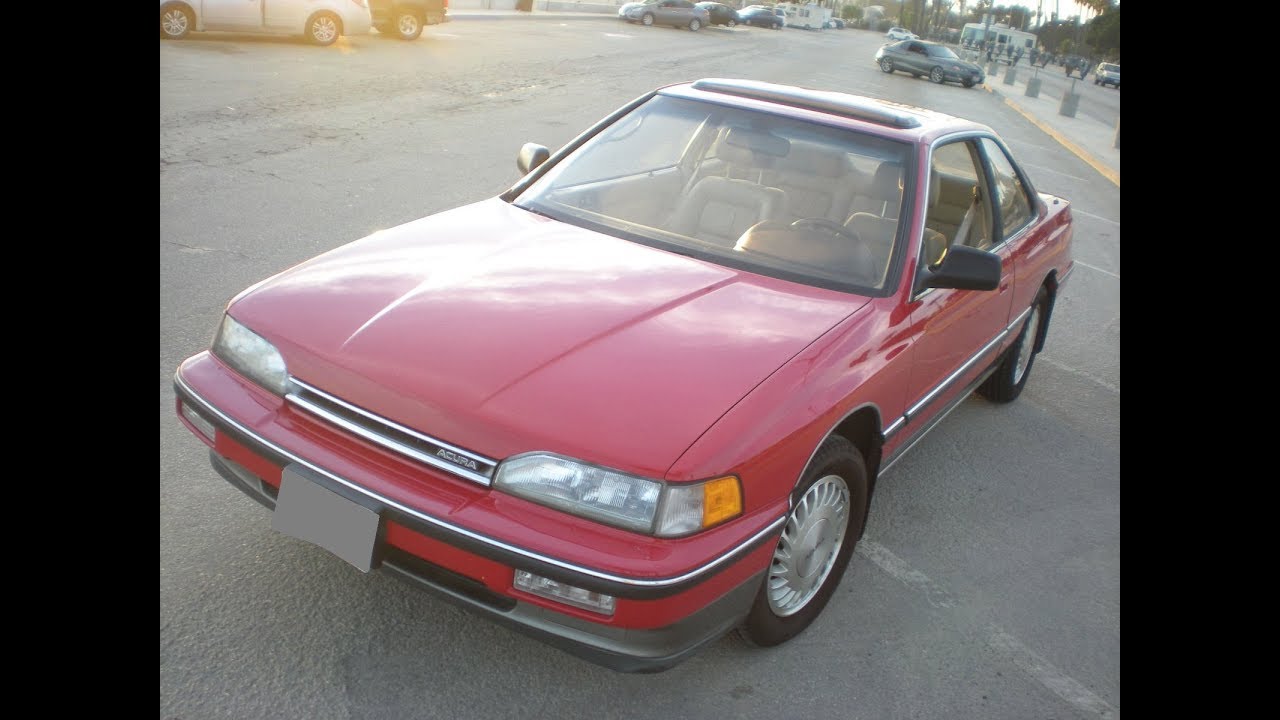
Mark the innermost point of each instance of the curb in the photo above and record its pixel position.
(1078, 151)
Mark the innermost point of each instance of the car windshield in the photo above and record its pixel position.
(940, 51)
(799, 200)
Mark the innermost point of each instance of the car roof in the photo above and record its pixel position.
(890, 119)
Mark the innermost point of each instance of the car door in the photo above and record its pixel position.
(232, 14)
(289, 14)
(956, 333)
(917, 57)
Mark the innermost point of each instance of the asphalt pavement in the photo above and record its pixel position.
(1093, 141)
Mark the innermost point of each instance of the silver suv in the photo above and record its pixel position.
(1107, 74)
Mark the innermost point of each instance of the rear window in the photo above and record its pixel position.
(1110, 68)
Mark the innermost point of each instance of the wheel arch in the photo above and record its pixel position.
(1050, 285)
(861, 426)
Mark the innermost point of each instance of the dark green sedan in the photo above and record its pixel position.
(937, 61)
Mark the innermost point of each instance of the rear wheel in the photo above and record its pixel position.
(827, 511)
(695, 25)
(935, 75)
(730, 22)
(408, 25)
(175, 22)
(1006, 383)
(323, 28)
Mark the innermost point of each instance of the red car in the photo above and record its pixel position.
(642, 398)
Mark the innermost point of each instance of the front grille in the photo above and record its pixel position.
(392, 436)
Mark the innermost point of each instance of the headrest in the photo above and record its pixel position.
(935, 187)
(886, 186)
(824, 162)
(761, 143)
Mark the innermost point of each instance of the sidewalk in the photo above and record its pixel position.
(1090, 139)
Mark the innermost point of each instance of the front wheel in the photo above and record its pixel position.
(408, 25)
(777, 26)
(936, 76)
(827, 511)
(323, 29)
(967, 83)
(175, 22)
(647, 19)
(695, 25)
(1006, 383)
(730, 23)
(886, 65)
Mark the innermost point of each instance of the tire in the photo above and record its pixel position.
(647, 20)
(175, 22)
(936, 76)
(829, 507)
(886, 64)
(730, 23)
(967, 83)
(1006, 383)
(324, 28)
(1095, 81)
(695, 25)
(407, 25)
(777, 26)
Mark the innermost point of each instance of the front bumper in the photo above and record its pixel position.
(658, 622)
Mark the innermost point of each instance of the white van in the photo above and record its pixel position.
(810, 16)
(320, 21)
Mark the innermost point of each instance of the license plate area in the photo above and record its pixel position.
(309, 511)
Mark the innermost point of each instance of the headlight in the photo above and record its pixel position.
(250, 355)
(619, 499)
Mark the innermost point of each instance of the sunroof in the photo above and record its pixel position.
(809, 100)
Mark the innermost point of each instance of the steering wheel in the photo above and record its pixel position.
(834, 228)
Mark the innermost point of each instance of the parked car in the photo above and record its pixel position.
(642, 398)
(1107, 74)
(719, 14)
(835, 23)
(760, 16)
(320, 21)
(406, 18)
(897, 33)
(924, 58)
(676, 13)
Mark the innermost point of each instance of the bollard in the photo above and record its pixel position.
(1116, 144)
(1070, 100)
(1033, 88)
(1010, 75)
(992, 69)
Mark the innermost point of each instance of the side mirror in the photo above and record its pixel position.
(531, 156)
(964, 268)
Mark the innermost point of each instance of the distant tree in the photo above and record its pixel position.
(1104, 32)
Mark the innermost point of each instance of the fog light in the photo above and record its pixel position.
(204, 426)
(567, 594)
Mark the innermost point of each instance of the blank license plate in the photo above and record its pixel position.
(309, 512)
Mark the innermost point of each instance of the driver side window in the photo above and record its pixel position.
(958, 209)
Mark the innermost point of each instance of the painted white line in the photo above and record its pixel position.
(1022, 657)
(440, 34)
(1079, 373)
(1095, 217)
(618, 35)
(1049, 676)
(904, 573)
(1095, 267)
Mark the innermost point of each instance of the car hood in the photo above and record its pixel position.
(503, 331)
